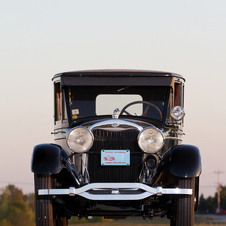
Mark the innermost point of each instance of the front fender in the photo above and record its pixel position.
(45, 159)
(183, 161)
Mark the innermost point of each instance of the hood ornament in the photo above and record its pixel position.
(116, 113)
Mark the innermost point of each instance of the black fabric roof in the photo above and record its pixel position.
(117, 73)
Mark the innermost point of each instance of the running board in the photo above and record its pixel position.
(115, 193)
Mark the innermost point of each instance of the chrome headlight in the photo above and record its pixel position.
(177, 113)
(80, 139)
(150, 140)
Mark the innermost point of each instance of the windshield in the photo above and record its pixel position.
(86, 101)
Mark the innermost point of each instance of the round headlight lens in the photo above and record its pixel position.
(150, 140)
(80, 139)
(177, 113)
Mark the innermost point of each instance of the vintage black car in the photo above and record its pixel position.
(118, 149)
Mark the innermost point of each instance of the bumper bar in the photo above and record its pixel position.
(115, 193)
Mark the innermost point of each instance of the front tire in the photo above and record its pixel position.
(184, 209)
(44, 210)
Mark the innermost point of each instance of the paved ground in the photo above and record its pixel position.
(205, 220)
(216, 218)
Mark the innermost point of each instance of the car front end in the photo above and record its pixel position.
(118, 148)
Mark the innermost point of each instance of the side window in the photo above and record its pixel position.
(178, 94)
(170, 104)
(57, 102)
(60, 111)
(64, 108)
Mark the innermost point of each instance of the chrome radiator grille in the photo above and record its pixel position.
(109, 140)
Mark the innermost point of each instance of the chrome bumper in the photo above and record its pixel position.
(147, 191)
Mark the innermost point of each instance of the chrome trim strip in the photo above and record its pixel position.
(176, 132)
(60, 138)
(83, 191)
(115, 121)
(59, 131)
(173, 138)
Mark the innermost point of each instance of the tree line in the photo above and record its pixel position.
(18, 209)
(209, 205)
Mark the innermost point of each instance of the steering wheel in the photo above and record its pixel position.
(145, 111)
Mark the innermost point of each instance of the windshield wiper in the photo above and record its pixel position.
(122, 89)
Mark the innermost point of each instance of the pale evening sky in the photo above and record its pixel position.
(41, 38)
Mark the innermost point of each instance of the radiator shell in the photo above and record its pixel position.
(111, 140)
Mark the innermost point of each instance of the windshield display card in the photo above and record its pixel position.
(115, 157)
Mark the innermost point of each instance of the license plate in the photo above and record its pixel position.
(115, 157)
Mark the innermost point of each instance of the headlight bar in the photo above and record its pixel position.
(115, 123)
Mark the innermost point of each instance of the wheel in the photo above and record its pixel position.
(184, 205)
(145, 111)
(44, 209)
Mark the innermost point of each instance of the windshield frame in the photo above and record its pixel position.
(107, 116)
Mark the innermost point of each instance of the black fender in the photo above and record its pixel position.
(46, 159)
(183, 161)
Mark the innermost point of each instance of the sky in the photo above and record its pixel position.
(41, 38)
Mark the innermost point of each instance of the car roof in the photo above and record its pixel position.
(117, 73)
